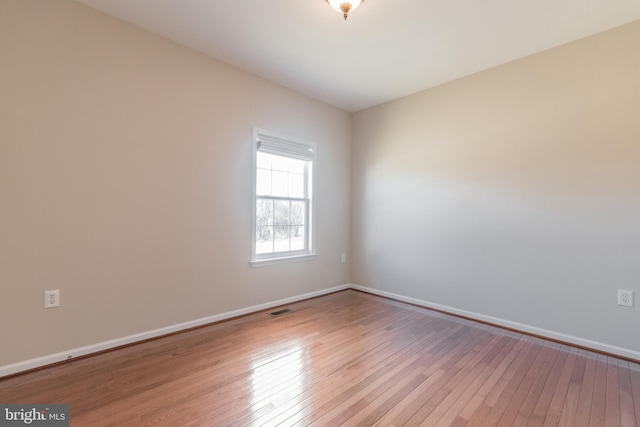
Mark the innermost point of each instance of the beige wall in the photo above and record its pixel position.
(513, 193)
(125, 181)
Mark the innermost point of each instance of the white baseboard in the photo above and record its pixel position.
(105, 345)
(624, 352)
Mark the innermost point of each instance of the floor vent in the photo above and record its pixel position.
(279, 312)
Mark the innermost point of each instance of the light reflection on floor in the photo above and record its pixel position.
(276, 380)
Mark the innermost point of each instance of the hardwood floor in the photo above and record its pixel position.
(347, 358)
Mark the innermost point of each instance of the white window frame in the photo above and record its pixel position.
(286, 146)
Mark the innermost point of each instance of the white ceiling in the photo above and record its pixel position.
(385, 50)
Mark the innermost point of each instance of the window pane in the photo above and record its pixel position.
(296, 185)
(263, 182)
(280, 163)
(264, 160)
(279, 184)
(297, 213)
(296, 166)
(264, 212)
(281, 240)
(264, 240)
(282, 214)
(297, 238)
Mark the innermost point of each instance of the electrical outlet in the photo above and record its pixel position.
(344, 258)
(625, 298)
(52, 298)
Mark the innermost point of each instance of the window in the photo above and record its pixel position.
(283, 226)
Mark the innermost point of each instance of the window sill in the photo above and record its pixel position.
(272, 261)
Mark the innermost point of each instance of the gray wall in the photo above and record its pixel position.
(513, 193)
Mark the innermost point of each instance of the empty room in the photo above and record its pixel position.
(319, 212)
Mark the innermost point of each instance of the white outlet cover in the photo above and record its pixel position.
(52, 298)
(625, 298)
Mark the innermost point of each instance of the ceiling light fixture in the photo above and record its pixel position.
(344, 7)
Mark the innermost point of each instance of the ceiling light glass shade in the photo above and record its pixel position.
(344, 7)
